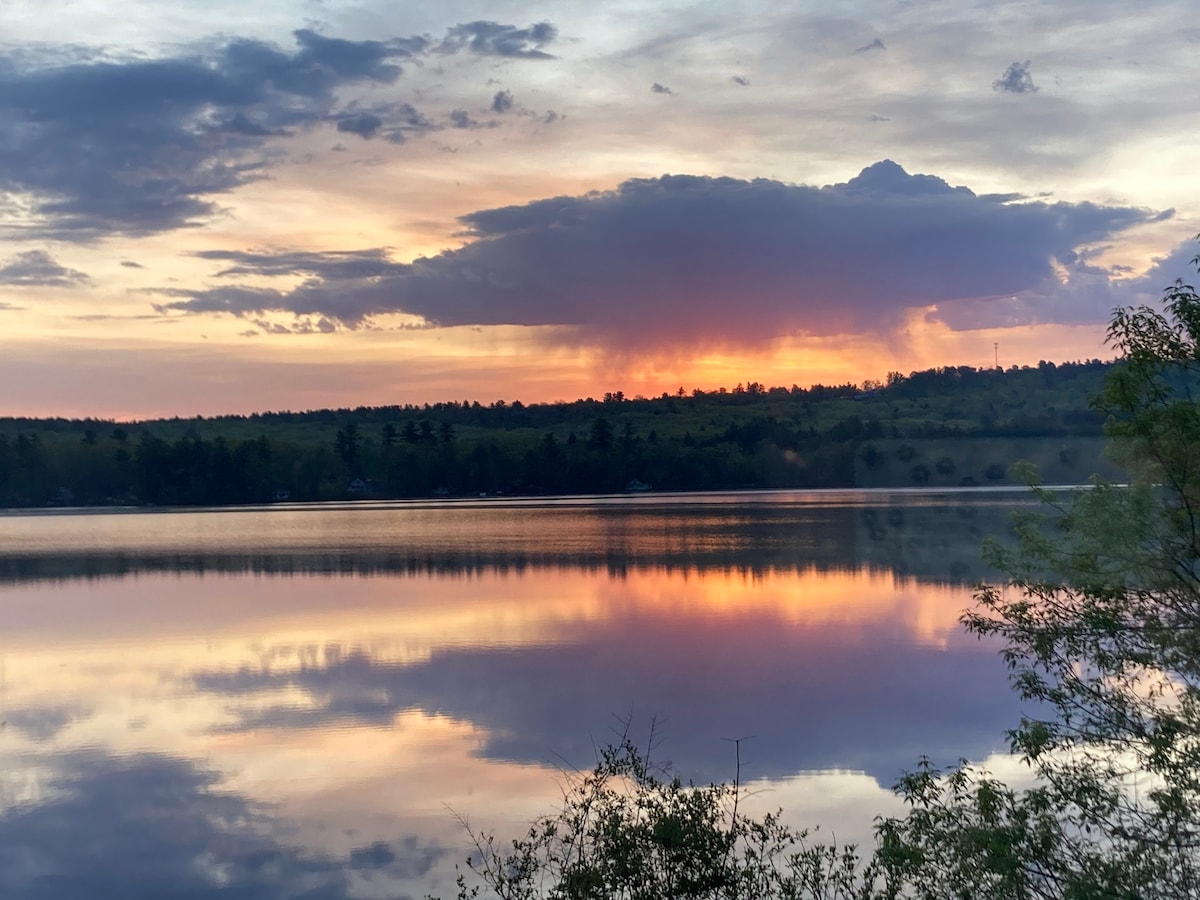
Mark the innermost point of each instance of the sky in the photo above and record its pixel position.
(217, 207)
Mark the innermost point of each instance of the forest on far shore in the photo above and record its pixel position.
(949, 426)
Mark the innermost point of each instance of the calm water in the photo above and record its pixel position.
(268, 702)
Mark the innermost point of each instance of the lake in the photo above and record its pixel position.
(273, 702)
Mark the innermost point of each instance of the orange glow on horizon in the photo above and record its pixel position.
(174, 374)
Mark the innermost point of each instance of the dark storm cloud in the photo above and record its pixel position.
(135, 146)
(36, 268)
(494, 39)
(1015, 80)
(155, 826)
(686, 260)
(1089, 292)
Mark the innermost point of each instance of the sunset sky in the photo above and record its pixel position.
(211, 207)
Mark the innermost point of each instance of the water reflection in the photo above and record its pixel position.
(156, 826)
(933, 535)
(848, 670)
(279, 723)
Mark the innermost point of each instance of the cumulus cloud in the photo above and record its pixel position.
(687, 260)
(364, 125)
(460, 118)
(407, 121)
(36, 268)
(502, 102)
(1015, 80)
(1078, 293)
(101, 145)
(494, 39)
(395, 122)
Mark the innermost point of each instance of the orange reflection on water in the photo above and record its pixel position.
(117, 662)
(362, 707)
(156, 623)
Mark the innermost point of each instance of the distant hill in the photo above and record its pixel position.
(949, 426)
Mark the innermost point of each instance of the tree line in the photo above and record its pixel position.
(748, 437)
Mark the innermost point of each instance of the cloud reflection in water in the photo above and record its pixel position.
(158, 826)
(273, 716)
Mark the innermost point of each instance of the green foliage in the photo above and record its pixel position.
(751, 436)
(1100, 621)
(625, 831)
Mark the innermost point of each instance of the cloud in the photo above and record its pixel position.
(502, 102)
(156, 826)
(97, 145)
(686, 261)
(1080, 292)
(657, 88)
(395, 122)
(655, 662)
(43, 724)
(1015, 80)
(239, 124)
(494, 39)
(407, 121)
(876, 44)
(364, 125)
(328, 265)
(460, 118)
(36, 268)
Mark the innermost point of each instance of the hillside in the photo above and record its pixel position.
(947, 426)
